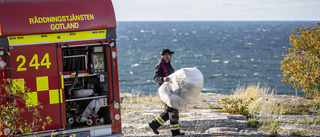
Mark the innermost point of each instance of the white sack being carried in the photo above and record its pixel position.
(183, 88)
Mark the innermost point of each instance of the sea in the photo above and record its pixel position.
(229, 54)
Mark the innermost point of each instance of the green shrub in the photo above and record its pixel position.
(253, 123)
(236, 106)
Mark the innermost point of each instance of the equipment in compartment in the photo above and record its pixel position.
(82, 58)
(71, 57)
(85, 112)
(78, 63)
(72, 111)
(83, 93)
(98, 62)
(86, 86)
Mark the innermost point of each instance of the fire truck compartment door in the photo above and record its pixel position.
(38, 69)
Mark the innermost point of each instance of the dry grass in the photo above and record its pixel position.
(251, 100)
(266, 106)
(264, 102)
(252, 91)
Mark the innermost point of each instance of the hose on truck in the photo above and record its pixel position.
(76, 77)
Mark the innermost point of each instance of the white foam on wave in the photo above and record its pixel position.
(215, 61)
(135, 65)
(175, 40)
(216, 75)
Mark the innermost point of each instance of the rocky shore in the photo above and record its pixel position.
(204, 119)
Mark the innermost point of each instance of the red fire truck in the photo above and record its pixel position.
(64, 51)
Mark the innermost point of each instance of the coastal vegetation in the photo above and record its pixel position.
(263, 107)
(301, 65)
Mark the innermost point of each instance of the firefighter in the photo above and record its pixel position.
(162, 70)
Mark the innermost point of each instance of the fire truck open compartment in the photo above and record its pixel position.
(68, 59)
(86, 86)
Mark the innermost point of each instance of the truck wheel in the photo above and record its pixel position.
(89, 122)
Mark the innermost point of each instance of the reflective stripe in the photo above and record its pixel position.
(174, 127)
(160, 120)
(42, 83)
(62, 82)
(54, 96)
(56, 37)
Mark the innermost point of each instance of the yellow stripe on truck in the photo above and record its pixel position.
(56, 37)
(62, 82)
(54, 96)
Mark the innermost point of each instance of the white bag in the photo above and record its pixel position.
(184, 88)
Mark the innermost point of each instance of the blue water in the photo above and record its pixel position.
(228, 54)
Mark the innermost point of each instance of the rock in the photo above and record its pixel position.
(206, 118)
(247, 130)
(221, 129)
(237, 117)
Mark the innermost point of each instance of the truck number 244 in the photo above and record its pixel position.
(34, 62)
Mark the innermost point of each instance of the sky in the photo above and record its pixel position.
(217, 10)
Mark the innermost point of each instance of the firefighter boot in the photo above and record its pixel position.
(175, 130)
(154, 125)
(177, 133)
